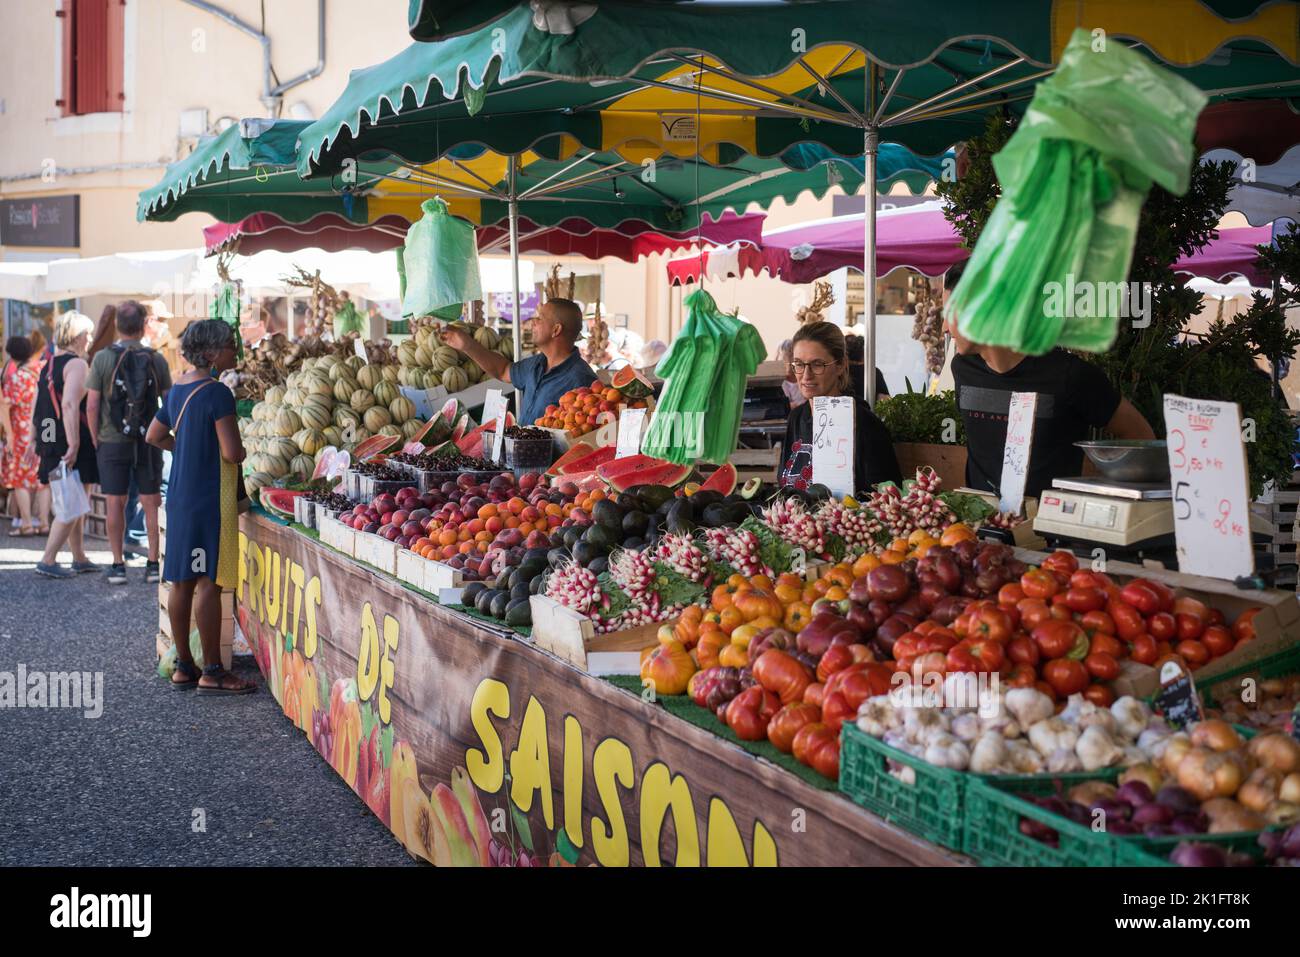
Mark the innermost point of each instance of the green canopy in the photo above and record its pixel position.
(761, 75)
(248, 168)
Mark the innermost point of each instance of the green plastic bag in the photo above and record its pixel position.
(440, 262)
(1051, 265)
(226, 308)
(347, 319)
(167, 663)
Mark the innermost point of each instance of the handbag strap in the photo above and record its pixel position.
(176, 429)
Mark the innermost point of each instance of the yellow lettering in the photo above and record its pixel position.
(725, 848)
(272, 579)
(296, 574)
(284, 600)
(255, 582)
(530, 763)
(661, 790)
(487, 767)
(368, 656)
(386, 668)
(611, 765)
(573, 779)
(313, 602)
(764, 847)
(243, 566)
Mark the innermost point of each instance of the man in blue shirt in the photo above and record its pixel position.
(546, 375)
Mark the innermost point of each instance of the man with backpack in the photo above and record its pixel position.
(125, 385)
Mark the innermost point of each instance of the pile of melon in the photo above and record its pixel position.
(425, 362)
(330, 401)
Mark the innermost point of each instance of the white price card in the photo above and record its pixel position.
(833, 436)
(1207, 473)
(359, 347)
(494, 409)
(630, 424)
(1015, 454)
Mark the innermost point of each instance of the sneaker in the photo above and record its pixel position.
(117, 574)
(151, 573)
(82, 568)
(53, 571)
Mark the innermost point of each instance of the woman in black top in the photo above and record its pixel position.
(60, 401)
(820, 366)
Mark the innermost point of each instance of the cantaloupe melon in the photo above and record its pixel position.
(401, 409)
(362, 399)
(376, 418)
(287, 422)
(369, 376)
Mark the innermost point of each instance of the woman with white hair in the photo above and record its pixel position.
(61, 402)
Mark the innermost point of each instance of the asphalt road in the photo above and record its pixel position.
(133, 786)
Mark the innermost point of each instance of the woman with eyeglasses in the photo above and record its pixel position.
(821, 367)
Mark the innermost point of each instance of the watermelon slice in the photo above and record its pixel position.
(450, 412)
(722, 481)
(631, 383)
(463, 424)
(622, 474)
(592, 460)
(433, 431)
(572, 454)
(279, 501)
(375, 445)
(471, 443)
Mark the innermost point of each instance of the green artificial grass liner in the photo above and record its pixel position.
(681, 706)
(244, 408)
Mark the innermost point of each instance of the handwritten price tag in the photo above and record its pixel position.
(630, 424)
(494, 408)
(833, 436)
(1015, 454)
(359, 347)
(1207, 469)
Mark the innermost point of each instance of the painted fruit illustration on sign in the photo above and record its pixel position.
(345, 726)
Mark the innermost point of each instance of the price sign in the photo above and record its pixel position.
(1177, 699)
(1207, 469)
(359, 347)
(494, 408)
(833, 436)
(1015, 454)
(630, 424)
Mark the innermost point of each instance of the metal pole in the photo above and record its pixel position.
(871, 141)
(514, 257)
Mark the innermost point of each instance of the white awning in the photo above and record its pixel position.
(24, 281)
(124, 274)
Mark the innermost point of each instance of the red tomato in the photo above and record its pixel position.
(1099, 695)
(1046, 689)
(1010, 594)
(1087, 579)
(1056, 638)
(907, 646)
(1038, 583)
(1143, 650)
(1190, 627)
(1066, 676)
(1215, 617)
(1164, 593)
(1061, 564)
(785, 724)
(1141, 596)
(836, 658)
(1108, 644)
(1021, 676)
(976, 655)
(861, 653)
(1243, 629)
(835, 709)
(1023, 650)
(817, 746)
(1058, 600)
(1033, 612)
(1062, 612)
(1163, 650)
(936, 642)
(1097, 622)
(1162, 626)
(1085, 599)
(991, 622)
(1217, 640)
(814, 693)
(1128, 620)
(1193, 652)
(1102, 666)
(1186, 605)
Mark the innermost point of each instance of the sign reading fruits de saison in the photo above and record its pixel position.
(474, 748)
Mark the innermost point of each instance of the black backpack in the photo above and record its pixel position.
(133, 395)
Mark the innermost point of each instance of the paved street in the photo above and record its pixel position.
(122, 789)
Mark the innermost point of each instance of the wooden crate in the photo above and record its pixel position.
(96, 525)
(948, 461)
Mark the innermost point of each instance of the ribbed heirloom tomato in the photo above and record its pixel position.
(1055, 639)
(1066, 676)
(1038, 583)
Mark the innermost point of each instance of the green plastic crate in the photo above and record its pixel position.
(1276, 665)
(992, 824)
(1134, 851)
(930, 808)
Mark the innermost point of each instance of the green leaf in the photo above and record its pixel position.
(618, 600)
(773, 552)
(721, 571)
(970, 509)
(674, 588)
(367, 720)
(386, 745)
(835, 547)
(565, 847)
(522, 826)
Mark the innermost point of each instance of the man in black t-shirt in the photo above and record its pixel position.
(1073, 396)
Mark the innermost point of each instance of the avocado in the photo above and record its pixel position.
(484, 601)
(530, 569)
(633, 544)
(735, 512)
(602, 537)
(818, 492)
(471, 593)
(497, 608)
(519, 591)
(557, 557)
(557, 537)
(681, 518)
(538, 585)
(714, 516)
(534, 555)
(607, 514)
(502, 581)
(704, 498)
(519, 614)
(584, 553)
(571, 536)
(635, 523)
(599, 565)
(654, 496)
(751, 488)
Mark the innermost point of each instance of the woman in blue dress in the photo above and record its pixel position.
(197, 424)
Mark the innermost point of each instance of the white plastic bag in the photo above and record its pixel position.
(67, 494)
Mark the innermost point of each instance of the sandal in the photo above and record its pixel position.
(189, 673)
(227, 683)
(27, 531)
(43, 530)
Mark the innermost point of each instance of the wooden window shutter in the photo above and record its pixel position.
(116, 55)
(91, 27)
(67, 92)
